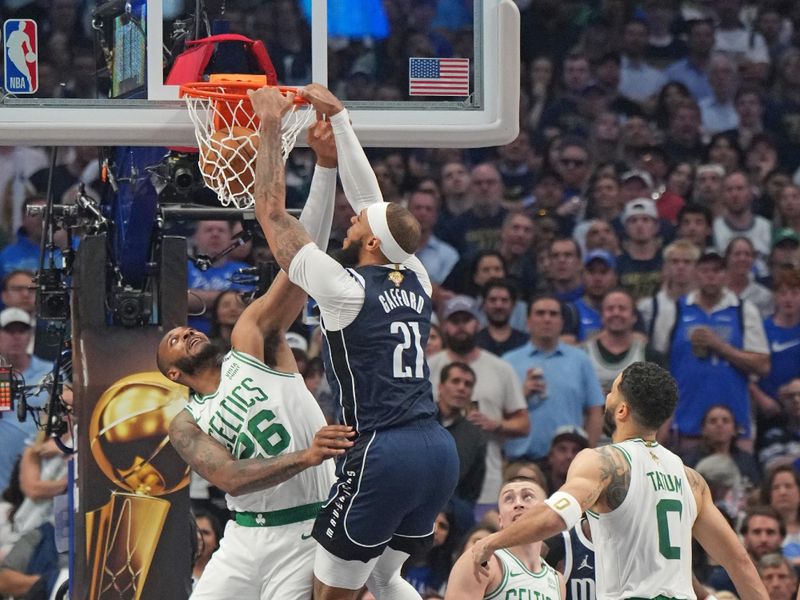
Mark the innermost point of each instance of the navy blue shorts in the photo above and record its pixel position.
(390, 486)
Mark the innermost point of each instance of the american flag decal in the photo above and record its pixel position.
(438, 76)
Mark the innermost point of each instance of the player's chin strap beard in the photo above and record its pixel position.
(348, 257)
(208, 357)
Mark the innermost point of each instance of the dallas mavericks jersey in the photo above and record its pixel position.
(578, 564)
(644, 546)
(376, 364)
(261, 412)
(520, 583)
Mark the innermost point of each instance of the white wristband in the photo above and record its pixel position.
(566, 506)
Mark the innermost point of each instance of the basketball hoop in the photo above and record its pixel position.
(226, 130)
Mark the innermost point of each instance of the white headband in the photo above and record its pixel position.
(376, 217)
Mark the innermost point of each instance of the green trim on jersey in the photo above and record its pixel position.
(647, 443)
(276, 518)
(501, 586)
(202, 398)
(254, 362)
(538, 575)
(624, 453)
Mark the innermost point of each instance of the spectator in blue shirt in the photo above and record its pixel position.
(559, 383)
(692, 71)
(23, 254)
(15, 337)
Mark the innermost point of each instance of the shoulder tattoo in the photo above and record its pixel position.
(615, 476)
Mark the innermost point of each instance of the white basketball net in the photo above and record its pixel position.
(228, 150)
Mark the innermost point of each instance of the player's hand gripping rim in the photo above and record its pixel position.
(329, 442)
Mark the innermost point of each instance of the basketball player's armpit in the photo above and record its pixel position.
(615, 476)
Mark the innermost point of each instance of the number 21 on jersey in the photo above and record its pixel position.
(411, 337)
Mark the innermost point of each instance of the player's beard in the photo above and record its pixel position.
(609, 424)
(348, 257)
(208, 356)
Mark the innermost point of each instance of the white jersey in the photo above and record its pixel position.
(520, 582)
(261, 412)
(643, 548)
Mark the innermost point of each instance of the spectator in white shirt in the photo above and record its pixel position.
(718, 111)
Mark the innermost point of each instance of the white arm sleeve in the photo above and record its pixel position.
(318, 212)
(338, 292)
(358, 179)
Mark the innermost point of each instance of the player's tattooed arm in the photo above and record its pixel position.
(615, 476)
(284, 233)
(212, 461)
(697, 483)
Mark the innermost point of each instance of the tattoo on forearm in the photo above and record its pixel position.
(290, 237)
(261, 473)
(615, 475)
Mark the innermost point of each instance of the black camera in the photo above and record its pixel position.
(52, 295)
(131, 308)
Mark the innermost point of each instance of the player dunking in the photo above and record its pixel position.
(514, 573)
(250, 429)
(376, 317)
(644, 505)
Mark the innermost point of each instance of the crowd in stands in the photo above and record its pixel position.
(649, 209)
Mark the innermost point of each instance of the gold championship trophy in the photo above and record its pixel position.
(129, 441)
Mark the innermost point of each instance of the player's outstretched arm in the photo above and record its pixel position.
(462, 583)
(591, 473)
(285, 235)
(719, 540)
(274, 312)
(217, 466)
(358, 179)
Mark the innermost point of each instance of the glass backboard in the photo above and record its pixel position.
(414, 73)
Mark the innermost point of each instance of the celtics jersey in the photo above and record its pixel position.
(261, 412)
(643, 548)
(520, 583)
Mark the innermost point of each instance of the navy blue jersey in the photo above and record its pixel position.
(376, 365)
(578, 564)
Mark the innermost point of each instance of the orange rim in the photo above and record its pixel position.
(233, 91)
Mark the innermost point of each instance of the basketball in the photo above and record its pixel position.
(227, 161)
(30, 57)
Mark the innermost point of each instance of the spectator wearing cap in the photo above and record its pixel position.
(692, 71)
(638, 80)
(565, 268)
(715, 342)
(739, 219)
(785, 254)
(567, 441)
(717, 111)
(617, 345)
(677, 280)
(582, 318)
(639, 266)
(709, 187)
(15, 337)
(783, 335)
(456, 383)
(558, 381)
(635, 184)
(501, 410)
(438, 257)
(498, 337)
(478, 228)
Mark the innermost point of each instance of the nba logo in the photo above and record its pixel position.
(21, 52)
